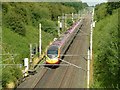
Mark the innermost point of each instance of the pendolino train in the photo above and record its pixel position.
(57, 49)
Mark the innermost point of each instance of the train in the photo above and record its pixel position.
(58, 48)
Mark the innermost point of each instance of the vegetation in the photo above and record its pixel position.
(77, 5)
(105, 9)
(106, 46)
(20, 28)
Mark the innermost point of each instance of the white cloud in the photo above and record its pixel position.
(93, 2)
(99, 1)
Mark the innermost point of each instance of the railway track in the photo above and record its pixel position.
(67, 76)
(62, 77)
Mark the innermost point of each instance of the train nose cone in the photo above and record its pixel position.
(53, 56)
(50, 56)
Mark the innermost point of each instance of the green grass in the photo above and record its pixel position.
(16, 44)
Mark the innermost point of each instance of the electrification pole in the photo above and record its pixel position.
(39, 39)
(72, 18)
(36, 48)
(88, 69)
(65, 21)
(30, 53)
(91, 34)
(58, 26)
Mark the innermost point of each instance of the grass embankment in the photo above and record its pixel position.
(105, 49)
(19, 45)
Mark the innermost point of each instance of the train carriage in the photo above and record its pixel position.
(58, 48)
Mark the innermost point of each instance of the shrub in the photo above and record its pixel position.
(7, 76)
(10, 74)
(49, 26)
(70, 22)
(14, 22)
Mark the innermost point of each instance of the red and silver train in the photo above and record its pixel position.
(57, 49)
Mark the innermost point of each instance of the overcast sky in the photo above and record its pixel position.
(93, 2)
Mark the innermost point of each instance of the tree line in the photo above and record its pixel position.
(17, 15)
(106, 46)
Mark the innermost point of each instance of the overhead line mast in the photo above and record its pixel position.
(39, 39)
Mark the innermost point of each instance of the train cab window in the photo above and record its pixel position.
(52, 50)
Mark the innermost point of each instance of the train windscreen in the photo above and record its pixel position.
(52, 52)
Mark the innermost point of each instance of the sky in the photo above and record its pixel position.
(93, 2)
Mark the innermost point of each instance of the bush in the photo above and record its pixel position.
(10, 74)
(5, 7)
(22, 12)
(111, 6)
(38, 13)
(70, 22)
(15, 23)
(49, 26)
(7, 76)
(101, 11)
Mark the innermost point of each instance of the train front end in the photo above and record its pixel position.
(52, 56)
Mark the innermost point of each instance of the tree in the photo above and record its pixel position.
(111, 6)
(49, 26)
